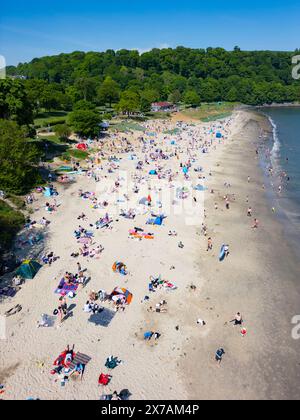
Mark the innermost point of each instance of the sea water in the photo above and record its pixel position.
(284, 158)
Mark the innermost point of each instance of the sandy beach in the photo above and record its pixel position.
(259, 278)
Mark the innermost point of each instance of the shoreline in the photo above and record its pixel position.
(181, 362)
(258, 280)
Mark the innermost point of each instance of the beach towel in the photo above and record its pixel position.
(80, 359)
(63, 288)
(104, 379)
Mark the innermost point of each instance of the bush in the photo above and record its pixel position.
(17, 201)
(18, 160)
(63, 131)
(75, 154)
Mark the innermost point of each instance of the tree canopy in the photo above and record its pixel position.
(14, 102)
(85, 122)
(129, 102)
(18, 159)
(109, 91)
(215, 74)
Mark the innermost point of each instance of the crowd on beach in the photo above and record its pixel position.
(159, 161)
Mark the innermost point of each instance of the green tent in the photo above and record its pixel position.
(28, 269)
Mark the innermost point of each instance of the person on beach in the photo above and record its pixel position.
(255, 224)
(219, 356)
(209, 244)
(148, 335)
(63, 308)
(226, 250)
(157, 310)
(238, 320)
(204, 230)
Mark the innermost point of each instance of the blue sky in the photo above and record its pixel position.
(35, 28)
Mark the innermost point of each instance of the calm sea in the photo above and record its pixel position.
(284, 158)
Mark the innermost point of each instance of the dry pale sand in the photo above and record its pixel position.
(258, 278)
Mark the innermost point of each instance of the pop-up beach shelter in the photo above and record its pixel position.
(47, 192)
(119, 293)
(82, 146)
(28, 269)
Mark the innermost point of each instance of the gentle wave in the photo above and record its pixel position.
(275, 152)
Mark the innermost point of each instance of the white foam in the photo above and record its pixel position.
(275, 153)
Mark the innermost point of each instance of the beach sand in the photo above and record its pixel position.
(259, 278)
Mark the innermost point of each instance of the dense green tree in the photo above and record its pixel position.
(84, 105)
(85, 122)
(175, 97)
(14, 102)
(63, 131)
(215, 74)
(18, 159)
(129, 102)
(192, 98)
(151, 95)
(86, 87)
(108, 92)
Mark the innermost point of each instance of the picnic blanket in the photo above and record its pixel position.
(64, 288)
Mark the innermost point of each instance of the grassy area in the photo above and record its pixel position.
(50, 119)
(50, 147)
(158, 115)
(75, 154)
(211, 112)
(127, 126)
(17, 201)
(11, 222)
(172, 132)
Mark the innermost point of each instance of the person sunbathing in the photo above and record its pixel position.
(157, 310)
(44, 222)
(96, 251)
(82, 217)
(93, 296)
